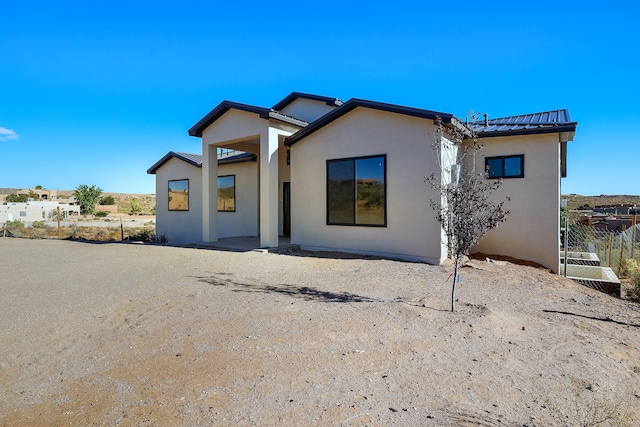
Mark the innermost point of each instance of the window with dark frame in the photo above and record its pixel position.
(178, 195)
(505, 166)
(227, 193)
(357, 191)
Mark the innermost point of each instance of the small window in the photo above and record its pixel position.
(505, 166)
(356, 191)
(227, 193)
(179, 195)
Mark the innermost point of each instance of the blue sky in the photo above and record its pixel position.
(96, 92)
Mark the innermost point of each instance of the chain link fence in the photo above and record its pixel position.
(613, 248)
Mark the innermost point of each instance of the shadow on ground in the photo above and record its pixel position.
(304, 292)
(601, 319)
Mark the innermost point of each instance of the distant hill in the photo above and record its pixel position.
(123, 200)
(576, 200)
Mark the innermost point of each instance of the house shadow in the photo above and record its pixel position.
(601, 319)
(306, 293)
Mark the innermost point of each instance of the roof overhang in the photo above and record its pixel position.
(354, 103)
(264, 113)
(564, 128)
(192, 159)
(332, 102)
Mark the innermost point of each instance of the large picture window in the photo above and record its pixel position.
(227, 193)
(356, 191)
(179, 195)
(505, 166)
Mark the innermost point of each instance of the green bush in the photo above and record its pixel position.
(107, 200)
(14, 198)
(38, 224)
(101, 214)
(14, 224)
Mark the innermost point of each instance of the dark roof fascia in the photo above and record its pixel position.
(355, 103)
(332, 102)
(171, 154)
(223, 107)
(556, 128)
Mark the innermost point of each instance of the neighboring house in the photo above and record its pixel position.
(621, 209)
(607, 222)
(34, 211)
(350, 177)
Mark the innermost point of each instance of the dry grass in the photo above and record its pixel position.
(97, 234)
(576, 200)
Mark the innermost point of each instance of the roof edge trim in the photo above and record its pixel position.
(355, 103)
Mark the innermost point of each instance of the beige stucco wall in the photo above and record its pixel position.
(411, 231)
(245, 131)
(239, 130)
(307, 109)
(532, 230)
(180, 227)
(244, 221)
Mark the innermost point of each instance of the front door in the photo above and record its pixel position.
(286, 209)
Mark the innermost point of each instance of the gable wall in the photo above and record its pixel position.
(180, 227)
(411, 231)
(532, 230)
(307, 109)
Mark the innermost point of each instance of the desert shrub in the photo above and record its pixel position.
(143, 236)
(633, 269)
(38, 224)
(101, 214)
(14, 224)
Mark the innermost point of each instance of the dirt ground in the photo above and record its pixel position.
(137, 335)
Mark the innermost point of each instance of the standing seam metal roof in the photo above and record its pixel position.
(545, 122)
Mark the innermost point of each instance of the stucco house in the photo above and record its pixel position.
(350, 177)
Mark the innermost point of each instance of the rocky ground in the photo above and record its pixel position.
(135, 335)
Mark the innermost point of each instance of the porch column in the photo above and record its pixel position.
(269, 189)
(210, 194)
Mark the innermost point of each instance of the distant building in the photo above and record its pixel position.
(621, 209)
(607, 222)
(35, 211)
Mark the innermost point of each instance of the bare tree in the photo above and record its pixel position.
(464, 208)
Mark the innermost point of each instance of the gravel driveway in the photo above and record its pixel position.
(102, 334)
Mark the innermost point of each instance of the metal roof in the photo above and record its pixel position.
(193, 159)
(196, 159)
(333, 102)
(224, 106)
(535, 123)
(237, 158)
(355, 103)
